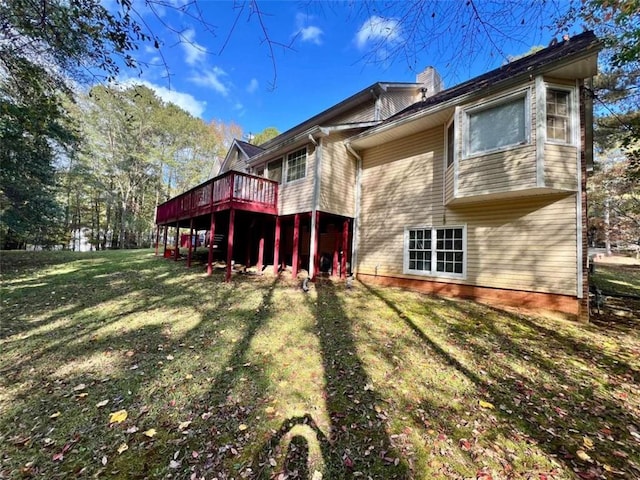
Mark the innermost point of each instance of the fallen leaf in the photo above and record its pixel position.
(77, 388)
(584, 456)
(82, 395)
(195, 454)
(123, 448)
(272, 462)
(150, 433)
(484, 404)
(118, 417)
(587, 442)
(169, 357)
(102, 403)
(188, 376)
(242, 427)
(184, 425)
(57, 457)
(55, 415)
(174, 464)
(132, 429)
(104, 460)
(269, 410)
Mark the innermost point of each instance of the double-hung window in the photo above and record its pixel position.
(437, 251)
(498, 125)
(558, 116)
(296, 165)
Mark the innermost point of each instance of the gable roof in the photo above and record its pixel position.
(582, 46)
(248, 149)
(345, 105)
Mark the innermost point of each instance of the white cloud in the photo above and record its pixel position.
(378, 30)
(307, 33)
(194, 52)
(186, 101)
(253, 86)
(311, 34)
(212, 79)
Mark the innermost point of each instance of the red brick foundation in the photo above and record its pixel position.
(564, 305)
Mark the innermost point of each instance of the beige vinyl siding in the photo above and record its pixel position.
(505, 171)
(236, 162)
(448, 184)
(560, 167)
(393, 102)
(297, 196)
(525, 243)
(362, 113)
(338, 177)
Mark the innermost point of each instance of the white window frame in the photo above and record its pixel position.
(572, 113)
(525, 95)
(434, 251)
(447, 126)
(285, 170)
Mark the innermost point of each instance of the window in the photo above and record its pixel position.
(558, 116)
(260, 171)
(297, 165)
(435, 251)
(450, 143)
(274, 170)
(498, 126)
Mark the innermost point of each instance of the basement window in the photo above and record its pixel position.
(435, 251)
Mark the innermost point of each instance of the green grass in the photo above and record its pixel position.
(361, 383)
(618, 279)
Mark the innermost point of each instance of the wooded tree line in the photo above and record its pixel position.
(102, 159)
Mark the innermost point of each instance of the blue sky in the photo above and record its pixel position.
(322, 53)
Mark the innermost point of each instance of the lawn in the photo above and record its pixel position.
(124, 365)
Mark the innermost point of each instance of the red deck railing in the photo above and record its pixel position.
(229, 190)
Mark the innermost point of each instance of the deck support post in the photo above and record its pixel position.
(336, 253)
(212, 229)
(296, 245)
(157, 238)
(166, 232)
(276, 247)
(316, 245)
(232, 217)
(261, 247)
(176, 253)
(190, 243)
(345, 248)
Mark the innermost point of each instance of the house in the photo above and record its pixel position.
(475, 191)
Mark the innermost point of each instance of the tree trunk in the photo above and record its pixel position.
(607, 225)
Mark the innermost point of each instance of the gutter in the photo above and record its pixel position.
(356, 221)
(316, 203)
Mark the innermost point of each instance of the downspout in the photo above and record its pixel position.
(316, 204)
(356, 221)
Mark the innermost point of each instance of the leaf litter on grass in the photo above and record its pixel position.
(373, 382)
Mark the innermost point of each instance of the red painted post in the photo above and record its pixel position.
(212, 230)
(276, 247)
(261, 246)
(232, 217)
(336, 253)
(296, 241)
(157, 238)
(166, 231)
(345, 248)
(190, 243)
(177, 250)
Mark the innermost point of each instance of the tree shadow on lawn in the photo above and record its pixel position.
(554, 404)
(130, 382)
(357, 442)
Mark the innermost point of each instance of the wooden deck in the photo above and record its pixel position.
(229, 191)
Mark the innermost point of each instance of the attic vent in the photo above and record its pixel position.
(431, 82)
